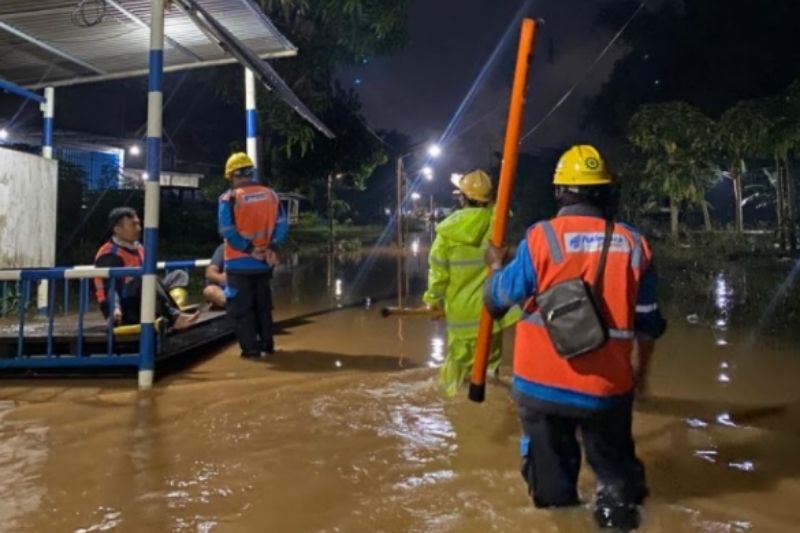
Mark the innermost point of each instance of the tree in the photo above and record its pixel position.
(355, 152)
(696, 51)
(742, 132)
(331, 35)
(676, 139)
(781, 140)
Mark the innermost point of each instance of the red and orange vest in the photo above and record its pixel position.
(130, 259)
(568, 247)
(255, 211)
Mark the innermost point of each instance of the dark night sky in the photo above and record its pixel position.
(419, 89)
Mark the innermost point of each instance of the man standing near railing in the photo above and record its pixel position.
(251, 222)
(122, 249)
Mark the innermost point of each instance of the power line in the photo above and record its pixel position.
(599, 57)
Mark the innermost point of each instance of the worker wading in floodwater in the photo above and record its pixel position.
(588, 291)
(456, 278)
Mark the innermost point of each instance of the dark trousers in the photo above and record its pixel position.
(250, 308)
(129, 297)
(552, 461)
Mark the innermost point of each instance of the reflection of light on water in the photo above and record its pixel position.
(110, 520)
(710, 456)
(722, 292)
(723, 378)
(414, 416)
(698, 522)
(725, 420)
(424, 432)
(437, 351)
(745, 466)
(338, 288)
(696, 423)
(721, 342)
(723, 300)
(415, 247)
(428, 478)
(338, 364)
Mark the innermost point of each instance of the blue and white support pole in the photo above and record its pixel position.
(48, 108)
(152, 192)
(251, 117)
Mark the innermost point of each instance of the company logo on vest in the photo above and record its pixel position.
(593, 242)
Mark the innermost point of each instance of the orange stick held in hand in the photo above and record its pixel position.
(508, 171)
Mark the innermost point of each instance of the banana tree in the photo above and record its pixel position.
(784, 142)
(741, 134)
(676, 140)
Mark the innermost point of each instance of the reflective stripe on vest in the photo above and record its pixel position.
(537, 320)
(255, 213)
(568, 247)
(552, 242)
(449, 263)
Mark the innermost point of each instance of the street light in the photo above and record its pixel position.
(415, 196)
(3, 134)
(434, 151)
(134, 150)
(427, 171)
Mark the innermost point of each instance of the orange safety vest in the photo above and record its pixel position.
(130, 259)
(568, 247)
(255, 211)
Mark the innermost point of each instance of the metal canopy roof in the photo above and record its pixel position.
(46, 42)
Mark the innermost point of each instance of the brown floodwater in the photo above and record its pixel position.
(344, 430)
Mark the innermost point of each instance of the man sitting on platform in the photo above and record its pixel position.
(123, 249)
(216, 280)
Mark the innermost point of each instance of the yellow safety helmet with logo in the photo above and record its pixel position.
(475, 185)
(581, 166)
(237, 161)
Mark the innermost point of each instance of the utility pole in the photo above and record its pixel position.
(331, 243)
(400, 241)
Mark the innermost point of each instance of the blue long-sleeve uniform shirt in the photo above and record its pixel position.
(228, 231)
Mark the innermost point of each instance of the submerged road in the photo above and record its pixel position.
(343, 430)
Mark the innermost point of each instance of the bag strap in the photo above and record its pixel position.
(597, 286)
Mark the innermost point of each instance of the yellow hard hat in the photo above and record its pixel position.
(237, 161)
(581, 165)
(475, 185)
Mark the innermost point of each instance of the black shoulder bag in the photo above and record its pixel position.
(572, 310)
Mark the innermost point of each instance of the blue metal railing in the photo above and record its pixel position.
(10, 289)
(41, 345)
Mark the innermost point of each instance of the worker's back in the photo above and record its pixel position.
(254, 211)
(457, 253)
(568, 247)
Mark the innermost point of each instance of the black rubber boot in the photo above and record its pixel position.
(623, 518)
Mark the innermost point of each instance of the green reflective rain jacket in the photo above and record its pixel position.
(455, 282)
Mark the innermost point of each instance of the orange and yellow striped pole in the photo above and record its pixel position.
(508, 170)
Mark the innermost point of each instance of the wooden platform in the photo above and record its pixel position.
(211, 326)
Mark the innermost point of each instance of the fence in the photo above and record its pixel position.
(62, 338)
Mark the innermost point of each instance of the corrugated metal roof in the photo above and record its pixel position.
(45, 42)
